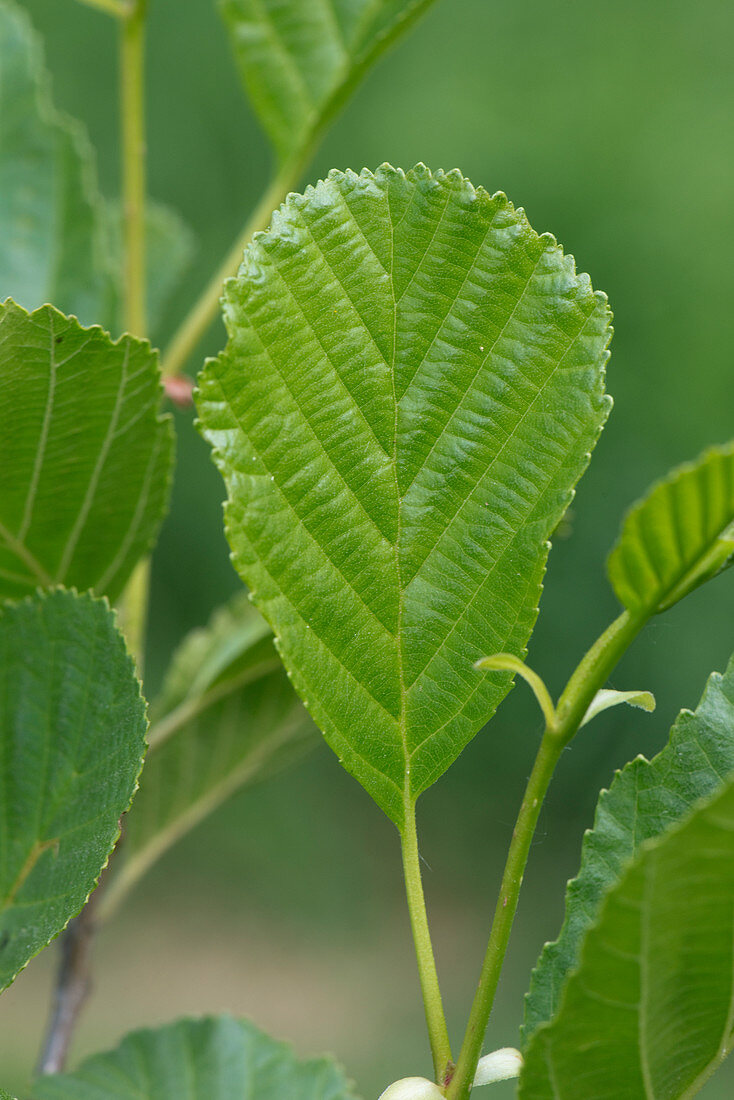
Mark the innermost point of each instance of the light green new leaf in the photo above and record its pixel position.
(300, 62)
(226, 716)
(607, 698)
(85, 457)
(72, 739)
(411, 388)
(650, 1010)
(679, 536)
(5, 1095)
(218, 1058)
(645, 798)
(59, 240)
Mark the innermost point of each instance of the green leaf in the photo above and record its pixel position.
(411, 388)
(678, 537)
(649, 1011)
(52, 234)
(645, 798)
(60, 241)
(300, 62)
(85, 457)
(217, 1058)
(225, 717)
(607, 698)
(72, 740)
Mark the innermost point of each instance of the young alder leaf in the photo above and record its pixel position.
(300, 62)
(607, 698)
(217, 1058)
(225, 717)
(412, 386)
(72, 740)
(679, 536)
(85, 457)
(59, 240)
(649, 1011)
(645, 798)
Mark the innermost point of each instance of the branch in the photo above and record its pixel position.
(73, 985)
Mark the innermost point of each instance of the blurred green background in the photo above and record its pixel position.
(611, 124)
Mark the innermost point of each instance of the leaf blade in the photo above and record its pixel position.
(347, 502)
(214, 1058)
(60, 241)
(680, 535)
(86, 457)
(645, 798)
(650, 1010)
(73, 728)
(300, 62)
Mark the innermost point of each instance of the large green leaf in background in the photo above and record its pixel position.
(679, 536)
(72, 739)
(650, 1010)
(226, 716)
(645, 798)
(59, 241)
(85, 457)
(218, 1058)
(300, 61)
(412, 386)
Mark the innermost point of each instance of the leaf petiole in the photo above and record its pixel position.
(432, 1002)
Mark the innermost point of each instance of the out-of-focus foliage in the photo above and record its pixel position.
(217, 1058)
(72, 730)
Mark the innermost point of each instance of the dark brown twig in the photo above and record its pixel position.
(73, 985)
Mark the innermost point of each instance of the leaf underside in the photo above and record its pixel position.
(72, 739)
(649, 1012)
(59, 241)
(216, 1058)
(645, 798)
(299, 62)
(411, 388)
(227, 715)
(85, 457)
(679, 536)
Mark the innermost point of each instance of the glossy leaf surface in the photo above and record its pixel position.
(226, 716)
(411, 388)
(679, 536)
(649, 1012)
(218, 1058)
(300, 61)
(72, 734)
(645, 798)
(59, 240)
(85, 457)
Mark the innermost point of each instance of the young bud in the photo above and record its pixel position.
(500, 1065)
(412, 1088)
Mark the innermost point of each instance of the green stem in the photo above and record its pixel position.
(132, 106)
(435, 1018)
(590, 675)
(205, 309)
(517, 857)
